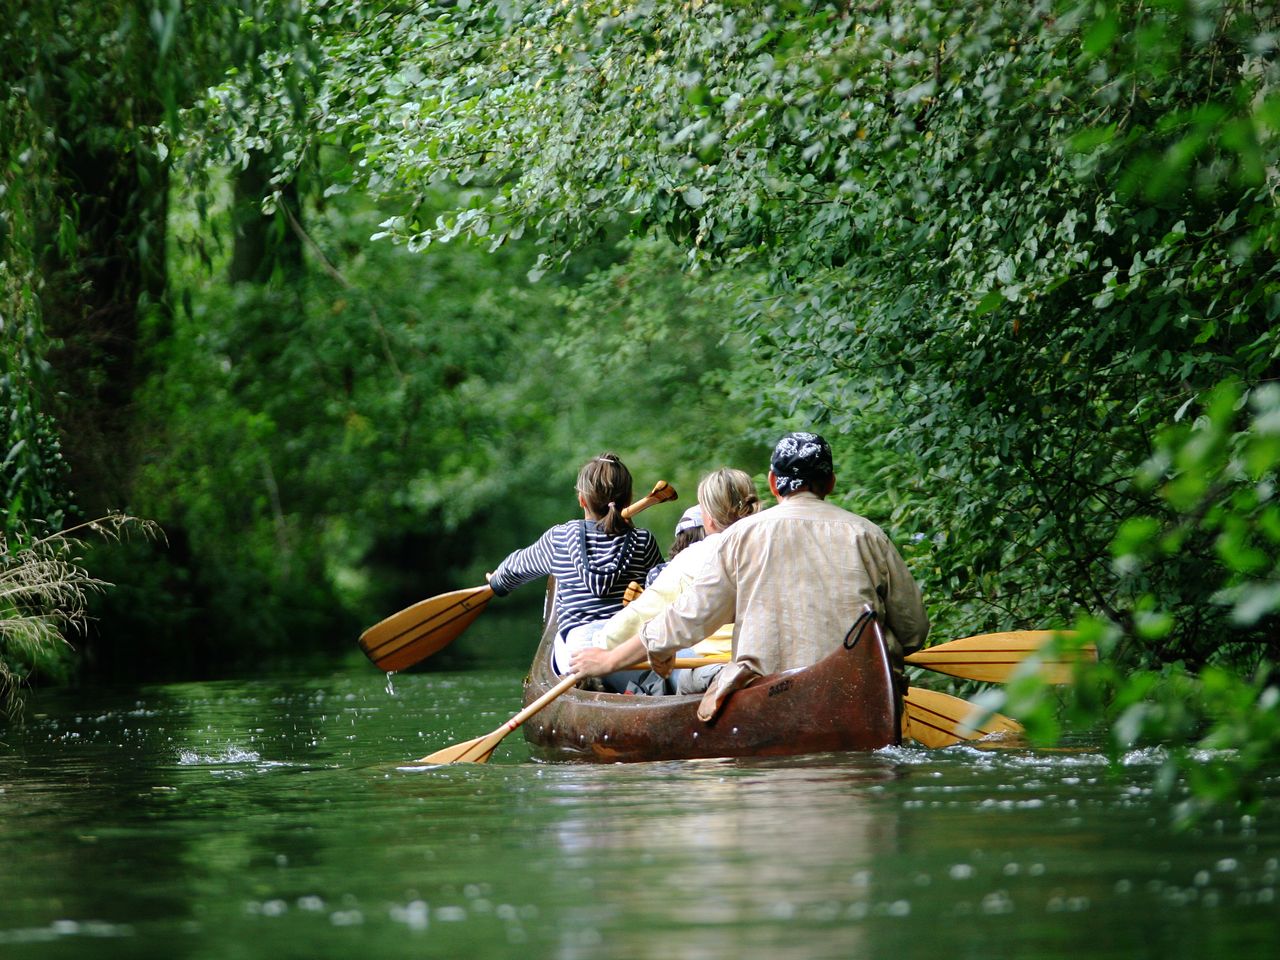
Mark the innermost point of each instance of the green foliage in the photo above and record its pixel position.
(1221, 724)
(1219, 476)
(999, 252)
(1010, 241)
(388, 425)
(32, 472)
(957, 211)
(654, 346)
(88, 92)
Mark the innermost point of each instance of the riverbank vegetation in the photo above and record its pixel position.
(44, 599)
(1017, 260)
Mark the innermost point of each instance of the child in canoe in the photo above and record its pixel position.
(725, 496)
(592, 559)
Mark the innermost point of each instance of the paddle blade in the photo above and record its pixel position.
(416, 632)
(939, 720)
(993, 657)
(478, 750)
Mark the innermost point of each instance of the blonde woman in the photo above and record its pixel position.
(725, 496)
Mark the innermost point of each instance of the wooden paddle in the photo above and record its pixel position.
(418, 631)
(940, 720)
(993, 657)
(480, 749)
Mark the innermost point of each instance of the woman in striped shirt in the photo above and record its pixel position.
(592, 559)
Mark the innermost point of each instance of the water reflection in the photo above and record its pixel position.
(268, 819)
(668, 858)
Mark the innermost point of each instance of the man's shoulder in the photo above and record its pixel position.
(801, 508)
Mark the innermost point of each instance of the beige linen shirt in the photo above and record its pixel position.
(794, 579)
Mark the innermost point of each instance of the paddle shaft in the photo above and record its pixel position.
(566, 683)
(661, 493)
(481, 749)
(681, 663)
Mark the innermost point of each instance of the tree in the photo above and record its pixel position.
(1026, 234)
(86, 90)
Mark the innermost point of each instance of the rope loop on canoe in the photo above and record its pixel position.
(855, 632)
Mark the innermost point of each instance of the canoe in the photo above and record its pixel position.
(844, 702)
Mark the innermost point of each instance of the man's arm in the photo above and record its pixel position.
(701, 608)
(655, 598)
(904, 603)
(595, 662)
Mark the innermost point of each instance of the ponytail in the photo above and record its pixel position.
(613, 522)
(604, 483)
(728, 495)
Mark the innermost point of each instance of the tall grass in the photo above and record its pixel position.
(44, 588)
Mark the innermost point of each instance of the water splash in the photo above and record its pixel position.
(231, 755)
(391, 690)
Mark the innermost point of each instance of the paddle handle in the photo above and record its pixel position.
(661, 493)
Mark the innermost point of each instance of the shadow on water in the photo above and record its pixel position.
(273, 818)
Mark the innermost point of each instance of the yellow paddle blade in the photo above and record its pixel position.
(940, 720)
(478, 750)
(993, 657)
(416, 632)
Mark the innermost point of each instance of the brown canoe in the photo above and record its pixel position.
(844, 702)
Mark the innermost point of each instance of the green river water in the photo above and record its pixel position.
(269, 819)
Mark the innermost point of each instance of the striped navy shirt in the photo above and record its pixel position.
(592, 569)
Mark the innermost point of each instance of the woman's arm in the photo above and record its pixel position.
(524, 565)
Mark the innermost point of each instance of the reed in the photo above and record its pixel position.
(44, 593)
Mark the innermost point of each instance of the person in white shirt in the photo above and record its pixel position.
(725, 496)
(793, 580)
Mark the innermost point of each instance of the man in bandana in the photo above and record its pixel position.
(793, 580)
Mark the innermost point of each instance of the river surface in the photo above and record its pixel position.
(272, 818)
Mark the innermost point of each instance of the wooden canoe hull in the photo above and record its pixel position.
(844, 702)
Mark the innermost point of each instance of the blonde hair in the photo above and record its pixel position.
(604, 483)
(728, 495)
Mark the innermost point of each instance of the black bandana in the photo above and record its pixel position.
(800, 460)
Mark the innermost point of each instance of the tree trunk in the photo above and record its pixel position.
(97, 297)
(266, 246)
